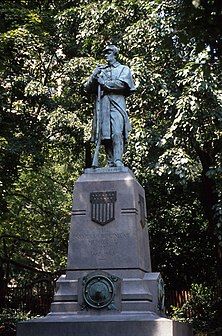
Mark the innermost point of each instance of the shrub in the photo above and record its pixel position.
(9, 319)
(199, 310)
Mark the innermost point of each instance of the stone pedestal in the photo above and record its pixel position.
(108, 288)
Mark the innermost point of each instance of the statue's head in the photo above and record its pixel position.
(110, 52)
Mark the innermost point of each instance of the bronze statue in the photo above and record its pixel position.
(111, 83)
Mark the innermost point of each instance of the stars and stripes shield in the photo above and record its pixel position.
(103, 206)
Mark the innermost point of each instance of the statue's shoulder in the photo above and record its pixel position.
(121, 65)
(123, 68)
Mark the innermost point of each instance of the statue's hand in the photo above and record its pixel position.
(97, 71)
(100, 80)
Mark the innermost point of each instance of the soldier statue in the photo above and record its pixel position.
(111, 83)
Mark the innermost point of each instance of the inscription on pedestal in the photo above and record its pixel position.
(101, 246)
(103, 206)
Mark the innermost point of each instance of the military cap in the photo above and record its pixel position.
(111, 47)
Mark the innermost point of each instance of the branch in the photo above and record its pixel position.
(54, 180)
(24, 266)
(26, 240)
(33, 202)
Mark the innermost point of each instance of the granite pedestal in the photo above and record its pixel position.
(108, 288)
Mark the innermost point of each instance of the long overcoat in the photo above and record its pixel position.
(118, 84)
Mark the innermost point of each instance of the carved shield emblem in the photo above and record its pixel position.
(103, 207)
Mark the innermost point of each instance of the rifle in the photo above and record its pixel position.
(95, 162)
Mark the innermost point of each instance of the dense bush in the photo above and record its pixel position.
(201, 310)
(9, 319)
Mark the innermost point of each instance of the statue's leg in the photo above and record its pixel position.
(118, 149)
(117, 124)
(109, 152)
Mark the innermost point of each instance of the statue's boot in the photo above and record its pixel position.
(109, 153)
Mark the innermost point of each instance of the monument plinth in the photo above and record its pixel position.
(108, 288)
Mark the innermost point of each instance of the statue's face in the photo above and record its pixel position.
(110, 56)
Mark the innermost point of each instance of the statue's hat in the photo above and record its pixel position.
(111, 47)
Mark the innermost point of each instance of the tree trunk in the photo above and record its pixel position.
(2, 287)
(209, 199)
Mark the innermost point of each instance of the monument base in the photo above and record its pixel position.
(148, 324)
(109, 288)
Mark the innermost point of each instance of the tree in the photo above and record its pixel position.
(174, 48)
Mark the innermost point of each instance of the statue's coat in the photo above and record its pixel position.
(118, 85)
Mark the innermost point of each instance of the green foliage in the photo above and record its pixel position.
(200, 307)
(9, 319)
